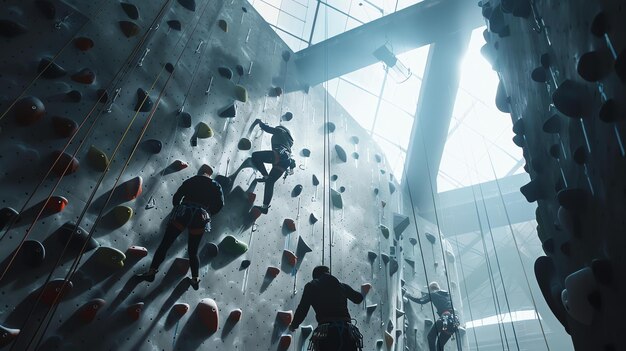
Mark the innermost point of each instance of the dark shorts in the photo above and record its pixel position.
(193, 217)
(336, 336)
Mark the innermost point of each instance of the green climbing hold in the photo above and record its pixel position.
(97, 159)
(233, 246)
(241, 94)
(109, 257)
(223, 25)
(244, 144)
(119, 216)
(336, 199)
(384, 231)
(203, 131)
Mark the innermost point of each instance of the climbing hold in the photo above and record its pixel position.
(342, 189)
(79, 237)
(28, 110)
(55, 290)
(305, 152)
(137, 252)
(89, 310)
(244, 265)
(188, 4)
(392, 188)
(244, 144)
(251, 198)
(388, 340)
(240, 92)
(109, 257)
(289, 224)
(97, 159)
(7, 335)
(144, 103)
(235, 315)
(548, 246)
(131, 10)
(365, 288)
(73, 96)
(180, 309)
(134, 311)
(49, 69)
(539, 75)
(573, 199)
(312, 219)
(233, 246)
(306, 330)
(355, 155)
(410, 261)
(286, 55)
(336, 199)
(532, 191)
(284, 342)
(225, 72)
(130, 189)
(64, 127)
(272, 271)
(555, 151)
(239, 69)
(302, 248)
(594, 66)
(7, 215)
(184, 121)
(413, 241)
(32, 253)
(575, 297)
(316, 181)
(290, 258)
(430, 237)
(47, 8)
(612, 111)
(518, 126)
(329, 127)
(296, 191)
(393, 266)
(129, 29)
(552, 125)
(228, 111)
(620, 66)
(169, 67)
(212, 250)
(119, 216)
(384, 257)
(371, 308)
(285, 317)
(54, 205)
(602, 270)
(203, 131)
(334, 177)
(569, 99)
(83, 43)
(399, 313)
(152, 146)
(288, 116)
(600, 25)
(209, 314)
(178, 165)
(384, 231)
(376, 191)
(223, 25)
(502, 99)
(341, 153)
(378, 158)
(275, 92)
(10, 29)
(371, 256)
(428, 322)
(400, 223)
(174, 24)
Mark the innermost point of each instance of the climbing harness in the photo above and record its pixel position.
(342, 330)
(185, 215)
(449, 322)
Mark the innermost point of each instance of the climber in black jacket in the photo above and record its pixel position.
(279, 157)
(329, 298)
(195, 201)
(448, 322)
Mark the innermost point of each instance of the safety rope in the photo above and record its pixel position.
(327, 151)
(51, 61)
(519, 255)
(122, 72)
(467, 296)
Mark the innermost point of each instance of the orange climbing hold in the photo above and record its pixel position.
(56, 204)
(83, 43)
(7, 335)
(272, 271)
(209, 314)
(89, 310)
(290, 257)
(137, 251)
(285, 317)
(132, 188)
(180, 309)
(251, 199)
(28, 110)
(178, 165)
(64, 127)
(65, 160)
(129, 29)
(289, 224)
(85, 76)
(55, 291)
(134, 311)
(365, 288)
(388, 340)
(235, 315)
(285, 342)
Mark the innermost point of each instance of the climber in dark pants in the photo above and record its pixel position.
(279, 157)
(448, 322)
(195, 201)
(329, 298)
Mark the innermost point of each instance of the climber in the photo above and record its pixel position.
(329, 298)
(195, 201)
(279, 157)
(448, 322)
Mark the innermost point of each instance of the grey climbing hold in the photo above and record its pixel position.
(244, 264)
(144, 103)
(76, 236)
(393, 267)
(275, 92)
(302, 248)
(410, 261)
(518, 126)
(371, 256)
(49, 69)
(334, 177)
(7, 215)
(225, 72)
(371, 308)
(228, 111)
(384, 231)
(413, 241)
(244, 144)
(580, 155)
(184, 121)
(602, 270)
(131, 10)
(153, 146)
(288, 116)
(552, 125)
(392, 188)
(188, 4)
(342, 189)
(354, 139)
(169, 67)
(312, 219)
(384, 257)
(400, 223)
(532, 191)
(430, 237)
(341, 153)
(594, 66)
(539, 75)
(73, 96)
(336, 199)
(11, 29)
(329, 127)
(305, 153)
(555, 151)
(355, 155)
(570, 99)
(223, 25)
(378, 158)
(239, 69)
(573, 199)
(297, 190)
(32, 253)
(286, 55)
(316, 181)
(174, 24)
(399, 313)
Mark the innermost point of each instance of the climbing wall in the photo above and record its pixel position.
(562, 79)
(107, 108)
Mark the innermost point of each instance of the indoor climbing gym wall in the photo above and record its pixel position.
(562, 69)
(107, 107)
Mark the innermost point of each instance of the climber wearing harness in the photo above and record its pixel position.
(448, 322)
(329, 298)
(279, 157)
(195, 201)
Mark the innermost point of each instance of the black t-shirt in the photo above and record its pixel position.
(201, 190)
(441, 299)
(281, 138)
(329, 298)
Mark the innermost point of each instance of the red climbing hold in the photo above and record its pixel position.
(85, 76)
(129, 29)
(29, 110)
(83, 43)
(134, 311)
(132, 188)
(56, 204)
(235, 315)
(272, 271)
(89, 310)
(55, 291)
(180, 309)
(290, 257)
(209, 314)
(65, 160)
(255, 213)
(178, 165)
(365, 288)
(7, 335)
(181, 265)
(251, 199)
(285, 317)
(64, 127)
(285, 342)
(137, 251)
(289, 224)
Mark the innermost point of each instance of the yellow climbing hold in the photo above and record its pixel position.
(120, 215)
(203, 131)
(241, 94)
(97, 159)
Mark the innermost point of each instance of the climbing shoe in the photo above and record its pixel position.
(147, 276)
(195, 283)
